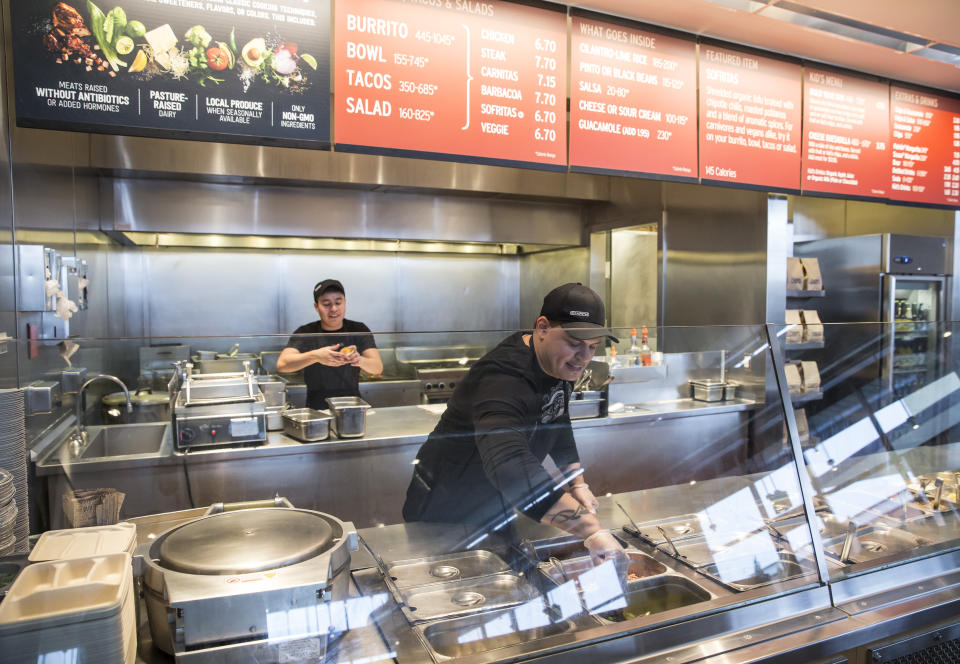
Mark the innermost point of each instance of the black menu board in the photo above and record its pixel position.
(239, 70)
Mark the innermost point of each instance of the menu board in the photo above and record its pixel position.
(925, 147)
(481, 80)
(633, 101)
(749, 119)
(846, 134)
(183, 68)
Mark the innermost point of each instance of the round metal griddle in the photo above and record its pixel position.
(244, 541)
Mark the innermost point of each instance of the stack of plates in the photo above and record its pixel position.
(84, 605)
(13, 458)
(8, 514)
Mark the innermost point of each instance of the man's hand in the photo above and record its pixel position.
(603, 547)
(351, 356)
(583, 495)
(330, 356)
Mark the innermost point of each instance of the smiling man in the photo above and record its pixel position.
(485, 457)
(332, 350)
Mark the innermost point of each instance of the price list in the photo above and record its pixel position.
(749, 119)
(633, 101)
(478, 79)
(846, 131)
(925, 147)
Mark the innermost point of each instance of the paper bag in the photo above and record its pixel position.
(794, 334)
(811, 376)
(92, 507)
(812, 327)
(812, 279)
(793, 378)
(794, 274)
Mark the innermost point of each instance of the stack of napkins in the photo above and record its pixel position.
(79, 610)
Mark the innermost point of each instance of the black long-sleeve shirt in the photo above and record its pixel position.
(486, 454)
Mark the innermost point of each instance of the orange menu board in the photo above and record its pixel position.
(925, 147)
(846, 134)
(480, 80)
(749, 119)
(633, 100)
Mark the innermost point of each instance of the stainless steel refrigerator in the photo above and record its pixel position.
(899, 280)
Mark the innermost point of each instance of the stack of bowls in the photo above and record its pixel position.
(13, 484)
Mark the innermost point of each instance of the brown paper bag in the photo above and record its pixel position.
(794, 334)
(812, 278)
(794, 274)
(92, 507)
(812, 327)
(793, 378)
(803, 427)
(811, 376)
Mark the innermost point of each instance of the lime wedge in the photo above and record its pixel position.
(309, 59)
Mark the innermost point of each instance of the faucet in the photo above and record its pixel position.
(78, 439)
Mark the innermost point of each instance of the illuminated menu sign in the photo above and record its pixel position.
(633, 101)
(846, 132)
(749, 119)
(477, 79)
(252, 72)
(925, 147)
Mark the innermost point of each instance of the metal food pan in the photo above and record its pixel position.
(350, 416)
(473, 635)
(466, 596)
(306, 424)
(583, 408)
(653, 595)
(873, 542)
(786, 567)
(678, 528)
(641, 565)
(448, 567)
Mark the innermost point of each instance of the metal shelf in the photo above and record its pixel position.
(806, 345)
(805, 397)
(806, 293)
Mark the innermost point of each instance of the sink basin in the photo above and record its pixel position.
(461, 637)
(654, 595)
(119, 440)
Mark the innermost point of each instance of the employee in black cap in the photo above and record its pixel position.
(484, 458)
(332, 350)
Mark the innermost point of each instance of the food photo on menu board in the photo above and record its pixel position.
(185, 66)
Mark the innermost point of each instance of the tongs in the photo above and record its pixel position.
(633, 524)
(553, 560)
(848, 542)
(938, 496)
(676, 551)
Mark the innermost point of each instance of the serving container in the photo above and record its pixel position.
(456, 598)
(306, 424)
(585, 404)
(350, 416)
(707, 390)
(447, 567)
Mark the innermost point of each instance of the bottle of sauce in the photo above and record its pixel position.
(646, 356)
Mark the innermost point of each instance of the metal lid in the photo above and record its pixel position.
(245, 541)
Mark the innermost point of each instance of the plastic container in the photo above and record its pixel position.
(85, 542)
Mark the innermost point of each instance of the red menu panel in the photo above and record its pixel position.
(749, 119)
(479, 79)
(925, 147)
(846, 132)
(633, 100)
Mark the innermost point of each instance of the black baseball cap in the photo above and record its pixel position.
(578, 310)
(326, 285)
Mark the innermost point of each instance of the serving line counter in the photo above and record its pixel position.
(367, 476)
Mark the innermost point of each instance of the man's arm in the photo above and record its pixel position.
(369, 361)
(292, 360)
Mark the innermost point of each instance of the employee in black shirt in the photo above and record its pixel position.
(484, 458)
(332, 362)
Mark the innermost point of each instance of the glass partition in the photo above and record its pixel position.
(501, 509)
(878, 436)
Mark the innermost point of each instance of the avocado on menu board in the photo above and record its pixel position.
(245, 69)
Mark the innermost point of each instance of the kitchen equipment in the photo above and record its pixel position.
(224, 586)
(273, 391)
(72, 379)
(350, 416)
(583, 405)
(707, 390)
(85, 542)
(157, 363)
(403, 574)
(439, 368)
(274, 418)
(268, 361)
(465, 596)
(676, 551)
(306, 424)
(224, 362)
(633, 523)
(653, 594)
(561, 571)
(148, 406)
(218, 409)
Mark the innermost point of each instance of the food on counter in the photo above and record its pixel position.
(67, 39)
